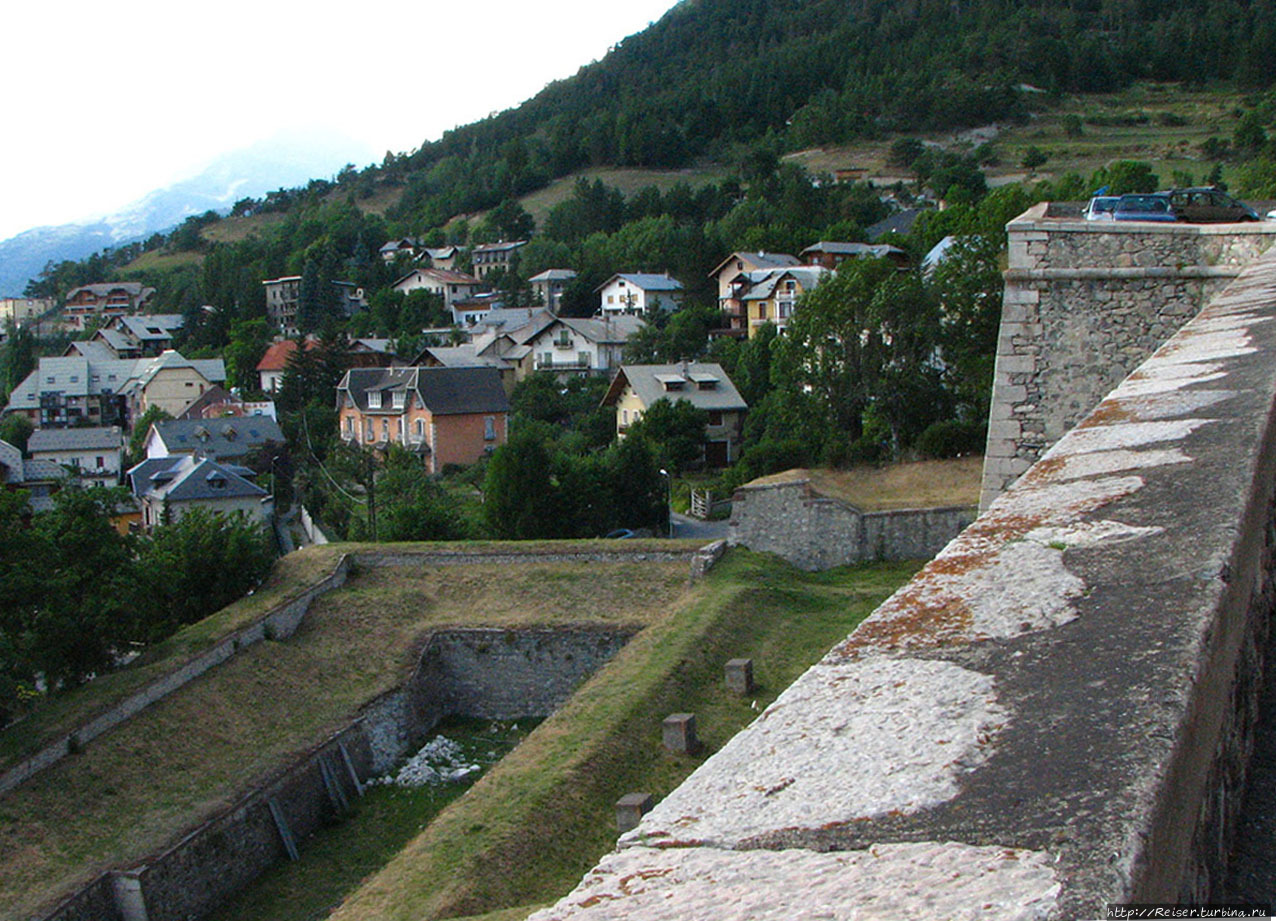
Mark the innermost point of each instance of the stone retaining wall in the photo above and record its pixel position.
(815, 532)
(1085, 303)
(281, 621)
(1054, 715)
(484, 674)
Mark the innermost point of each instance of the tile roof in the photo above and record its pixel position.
(651, 383)
(233, 436)
(443, 391)
(76, 439)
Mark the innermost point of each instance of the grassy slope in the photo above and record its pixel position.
(525, 833)
(137, 787)
(62, 714)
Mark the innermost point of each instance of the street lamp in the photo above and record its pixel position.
(669, 479)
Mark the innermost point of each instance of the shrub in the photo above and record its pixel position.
(951, 438)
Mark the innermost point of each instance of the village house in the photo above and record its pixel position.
(218, 403)
(450, 285)
(549, 286)
(22, 310)
(487, 258)
(93, 455)
(39, 478)
(270, 369)
(472, 311)
(571, 345)
(831, 255)
(770, 295)
(283, 297)
(443, 257)
(230, 438)
(635, 293)
(104, 300)
(447, 415)
(139, 335)
(393, 249)
(500, 342)
(75, 390)
(636, 388)
(729, 270)
(167, 488)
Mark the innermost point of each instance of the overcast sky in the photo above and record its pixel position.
(104, 102)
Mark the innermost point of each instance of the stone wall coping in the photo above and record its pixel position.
(815, 498)
(1057, 703)
(1034, 219)
(1123, 273)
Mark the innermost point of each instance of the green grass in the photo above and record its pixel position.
(526, 833)
(156, 261)
(185, 758)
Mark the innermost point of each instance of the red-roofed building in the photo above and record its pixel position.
(270, 370)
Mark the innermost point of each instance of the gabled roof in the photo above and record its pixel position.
(276, 357)
(599, 330)
(703, 384)
(443, 391)
(503, 246)
(553, 275)
(76, 439)
(442, 276)
(94, 349)
(459, 356)
(900, 222)
(645, 281)
(75, 376)
(758, 260)
(147, 327)
(212, 370)
(764, 282)
(441, 252)
(232, 436)
(877, 250)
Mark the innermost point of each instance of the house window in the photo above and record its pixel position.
(420, 428)
(399, 398)
(371, 431)
(715, 417)
(762, 310)
(489, 428)
(782, 309)
(374, 399)
(624, 417)
(349, 426)
(385, 429)
(100, 462)
(583, 359)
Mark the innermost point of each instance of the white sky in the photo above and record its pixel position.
(104, 102)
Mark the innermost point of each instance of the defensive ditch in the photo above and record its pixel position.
(489, 674)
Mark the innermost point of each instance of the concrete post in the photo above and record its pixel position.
(630, 809)
(739, 674)
(678, 733)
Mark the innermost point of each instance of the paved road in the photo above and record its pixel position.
(684, 527)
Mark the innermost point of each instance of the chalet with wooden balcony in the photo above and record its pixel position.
(727, 275)
(105, 300)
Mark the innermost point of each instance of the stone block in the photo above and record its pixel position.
(678, 733)
(739, 676)
(630, 809)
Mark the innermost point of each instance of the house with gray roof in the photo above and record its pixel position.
(636, 388)
(105, 299)
(226, 438)
(549, 286)
(771, 295)
(583, 345)
(740, 263)
(638, 292)
(167, 488)
(832, 254)
(447, 415)
(93, 455)
(40, 478)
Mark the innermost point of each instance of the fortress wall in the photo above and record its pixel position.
(815, 532)
(1085, 303)
(1054, 715)
(484, 674)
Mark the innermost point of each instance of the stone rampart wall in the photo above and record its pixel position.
(485, 674)
(1085, 303)
(814, 532)
(1054, 715)
(281, 621)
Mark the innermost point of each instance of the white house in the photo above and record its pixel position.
(171, 486)
(636, 293)
(450, 285)
(91, 453)
(549, 286)
(583, 346)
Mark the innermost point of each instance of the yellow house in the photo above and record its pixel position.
(171, 382)
(772, 294)
(635, 388)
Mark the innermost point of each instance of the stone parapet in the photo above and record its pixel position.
(1052, 716)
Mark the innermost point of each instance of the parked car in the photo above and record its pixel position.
(1209, 206)
(1154, 206)
(1100, 208)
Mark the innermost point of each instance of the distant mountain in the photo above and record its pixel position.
(281, 162)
